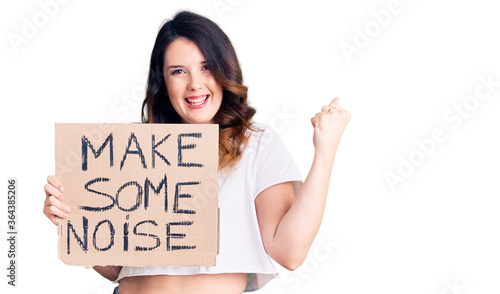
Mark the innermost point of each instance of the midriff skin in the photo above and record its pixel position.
(233, 283)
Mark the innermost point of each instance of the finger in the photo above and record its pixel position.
(317, 118)
(330, 108)
(55, 219)
(336, 107)
(52, 191)
(53, 201)
(54, 211)
(335, 102)
(55, 182)
(314, 120)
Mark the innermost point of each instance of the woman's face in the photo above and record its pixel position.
(193, 91)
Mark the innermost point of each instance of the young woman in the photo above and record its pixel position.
(266, 210)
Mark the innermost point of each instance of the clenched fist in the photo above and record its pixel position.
(329, 125)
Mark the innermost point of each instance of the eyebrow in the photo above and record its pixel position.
(180, 66)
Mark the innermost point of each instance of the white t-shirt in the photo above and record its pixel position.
(265, 162)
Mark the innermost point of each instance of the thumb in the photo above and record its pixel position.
(335, 102)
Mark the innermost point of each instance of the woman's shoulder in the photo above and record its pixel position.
(261, 134)
(259, 129)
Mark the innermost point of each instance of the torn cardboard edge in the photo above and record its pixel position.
(140, 194)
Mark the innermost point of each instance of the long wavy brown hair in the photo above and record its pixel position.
(234, 114)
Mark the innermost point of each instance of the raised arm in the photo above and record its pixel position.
(289, 224)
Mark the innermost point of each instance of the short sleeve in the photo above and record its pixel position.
(273, 163)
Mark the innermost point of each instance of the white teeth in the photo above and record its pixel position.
(197, 101)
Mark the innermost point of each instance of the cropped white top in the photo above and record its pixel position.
(265, 162)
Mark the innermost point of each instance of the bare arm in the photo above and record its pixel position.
(288, 226)
(110, 272)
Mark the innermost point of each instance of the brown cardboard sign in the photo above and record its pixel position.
(140, 194)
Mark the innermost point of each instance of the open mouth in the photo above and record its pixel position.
(197, 101)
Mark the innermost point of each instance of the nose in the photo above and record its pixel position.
(195, 82)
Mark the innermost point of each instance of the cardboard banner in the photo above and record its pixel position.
(140, 194)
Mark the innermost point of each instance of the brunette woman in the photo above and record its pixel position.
(266, 208)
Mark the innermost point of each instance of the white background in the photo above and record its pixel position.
(436, 231)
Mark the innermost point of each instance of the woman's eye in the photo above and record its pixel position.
(177, 71)
(205, 67)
